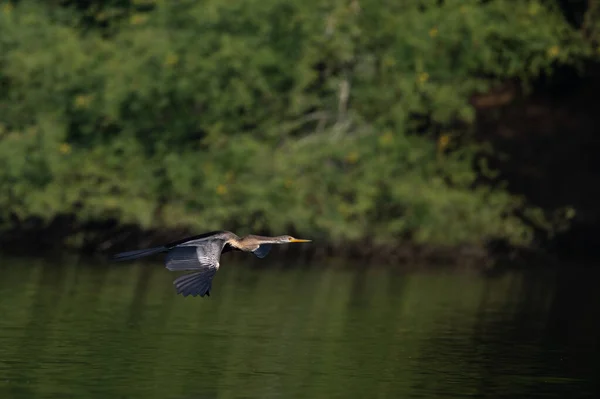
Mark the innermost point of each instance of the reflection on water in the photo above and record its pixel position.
(84, 330)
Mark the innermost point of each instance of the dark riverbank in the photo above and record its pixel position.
(101, 240)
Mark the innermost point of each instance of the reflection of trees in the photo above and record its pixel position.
(510, 348)
(277, 331)
(38, 294)
(573, 321)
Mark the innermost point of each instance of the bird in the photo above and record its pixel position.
(202, 253)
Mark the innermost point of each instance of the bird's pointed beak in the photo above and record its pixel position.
(299, 240)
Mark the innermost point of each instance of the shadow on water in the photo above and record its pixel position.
(282, 330)
(573, 323)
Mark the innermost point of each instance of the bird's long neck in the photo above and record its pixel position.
(264, 239)
(243, 244)
(251, 242)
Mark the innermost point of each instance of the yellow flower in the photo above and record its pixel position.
(221, 189)
(423, 77)
(553, 51)
(463, 9)
(171, 60)
(352, 157)
(7, 8)
(110, 203)
(138, 19)
(288, 183)
(386, 139)
(433, 32)
(65, 148)
(443, 141)
(534, 8)
(82, 101)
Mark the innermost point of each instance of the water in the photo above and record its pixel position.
(83, 330)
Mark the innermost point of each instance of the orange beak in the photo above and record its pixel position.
(299, 240)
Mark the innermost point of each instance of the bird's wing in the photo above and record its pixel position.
(262, 250)
(183, 258)
(195, 240)
(202, 256)
(193, 284)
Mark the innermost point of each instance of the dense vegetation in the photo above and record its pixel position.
(336, 119)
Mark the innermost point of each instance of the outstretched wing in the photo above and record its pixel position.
(213, 235)
(203, 256)
(193, 284)
(262, 250)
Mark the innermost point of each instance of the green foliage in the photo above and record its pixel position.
(263, 115)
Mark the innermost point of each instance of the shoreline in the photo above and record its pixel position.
(104, 239)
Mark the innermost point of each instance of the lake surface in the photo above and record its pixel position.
(81, 329)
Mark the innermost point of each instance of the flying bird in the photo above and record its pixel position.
(202, 254)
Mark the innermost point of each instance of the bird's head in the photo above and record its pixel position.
(289, 239)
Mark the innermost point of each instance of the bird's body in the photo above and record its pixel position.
(202, 253)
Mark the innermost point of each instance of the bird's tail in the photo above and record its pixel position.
(140, 253)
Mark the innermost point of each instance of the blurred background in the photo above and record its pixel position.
(442, 154)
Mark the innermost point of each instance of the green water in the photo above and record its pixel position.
(71, 329)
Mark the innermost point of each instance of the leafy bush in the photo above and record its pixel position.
(264, 115)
